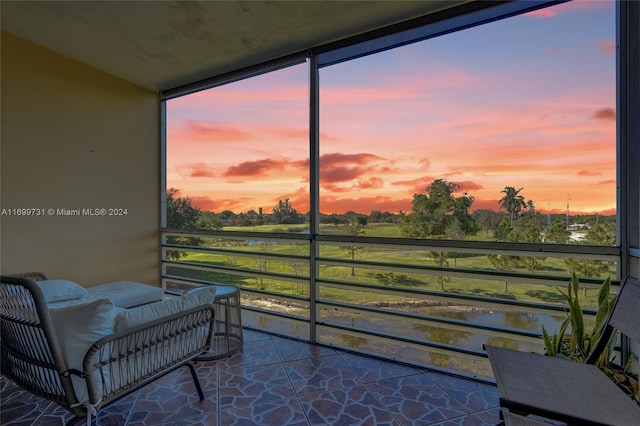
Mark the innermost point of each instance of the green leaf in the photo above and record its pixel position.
(575, 284)
(577, 326)
(605, 289)
(601, 319)
(561, 333)
(549, 345)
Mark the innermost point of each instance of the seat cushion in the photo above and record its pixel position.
(127, 294)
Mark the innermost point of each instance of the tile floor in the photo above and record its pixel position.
(277, 381)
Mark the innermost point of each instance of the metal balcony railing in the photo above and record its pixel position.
(424, 302)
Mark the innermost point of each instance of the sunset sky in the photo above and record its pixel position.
(525, 102)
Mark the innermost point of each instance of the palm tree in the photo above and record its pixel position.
(512, 202)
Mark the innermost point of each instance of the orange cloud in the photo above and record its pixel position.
(468, 185)
(485, 204)
(371, 183)
(202, 173)
(197, 170)
(588, 173)
(608, 212)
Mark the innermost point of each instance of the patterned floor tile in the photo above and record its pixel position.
(473, 395)
(491, 416)
(287, 413)
(469, 420)
(173, 398)
(290, 350)
(117, 413)
(351, 406)
(205, 420)
(255, 352)
(373, 370)
(279, 381)
(251, 335)
(417, 400)
(245, 386)
(320, 374)
(19, 407)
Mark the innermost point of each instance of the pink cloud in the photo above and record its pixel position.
(605, 114)
(211, 130)
(549, 12)
(542, 13)
(336, 167)
(554, 52)
(217, 205)
(330, 176)
(330, 205)
(608, 47)
(254, 168)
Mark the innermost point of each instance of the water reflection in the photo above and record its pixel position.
(458, 334)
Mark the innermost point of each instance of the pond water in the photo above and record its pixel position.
(465, 338)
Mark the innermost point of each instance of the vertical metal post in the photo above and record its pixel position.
(163, 188)
(628, 133)
(163, 164)
(314, 189)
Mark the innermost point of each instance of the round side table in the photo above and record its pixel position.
(227, 337)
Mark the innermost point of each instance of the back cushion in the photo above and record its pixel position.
(78, 325)
(133, 317)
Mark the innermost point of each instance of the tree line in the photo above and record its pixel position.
(437, 213)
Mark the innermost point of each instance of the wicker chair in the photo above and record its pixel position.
(113, 366)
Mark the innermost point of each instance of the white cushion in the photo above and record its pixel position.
(142, 314)
(126, 294)
(70, 302)
(78, 325)
(57, 290)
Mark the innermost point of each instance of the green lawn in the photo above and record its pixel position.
(377, 275)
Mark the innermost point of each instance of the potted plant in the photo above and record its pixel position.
(578, 343)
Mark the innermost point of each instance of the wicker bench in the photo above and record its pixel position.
(568, 391)
(122, 351)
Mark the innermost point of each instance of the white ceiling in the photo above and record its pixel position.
(163, 44)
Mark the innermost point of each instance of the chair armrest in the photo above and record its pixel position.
(124, 361)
